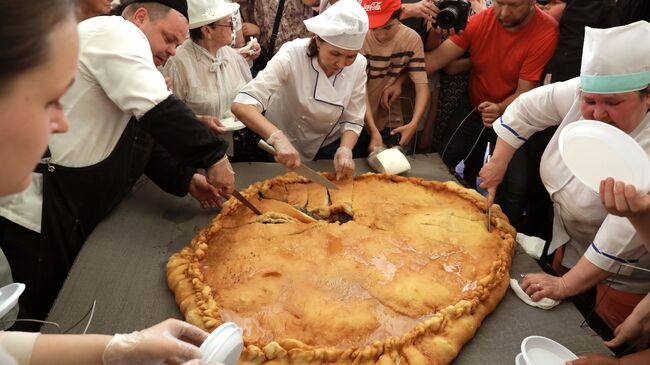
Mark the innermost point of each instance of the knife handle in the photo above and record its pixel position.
(263, 145)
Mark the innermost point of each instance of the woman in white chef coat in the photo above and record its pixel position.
(33, 79)
(613, 88)
(206, 72)
(309, 101)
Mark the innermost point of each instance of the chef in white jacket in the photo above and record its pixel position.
(309, 101)
(598, 247)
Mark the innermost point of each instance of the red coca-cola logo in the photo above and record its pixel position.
(373, 6)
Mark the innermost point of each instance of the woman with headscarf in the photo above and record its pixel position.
(312, 92)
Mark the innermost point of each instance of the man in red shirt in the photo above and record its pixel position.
(509, 45)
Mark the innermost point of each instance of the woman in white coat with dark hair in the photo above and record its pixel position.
(309, 101)
(598, 247)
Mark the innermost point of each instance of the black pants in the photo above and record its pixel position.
(466, 138)
(20, 246)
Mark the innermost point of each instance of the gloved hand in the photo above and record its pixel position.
(222, 176)
(285, 153)
(201, 362)
(343, 163)
(169, 342)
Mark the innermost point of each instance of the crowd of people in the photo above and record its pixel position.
(155, 90)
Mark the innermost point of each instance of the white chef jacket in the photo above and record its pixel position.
(208, 83)
(297, 97)
(581, 222)
(116, 79)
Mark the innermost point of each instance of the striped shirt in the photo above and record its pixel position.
(386, 62)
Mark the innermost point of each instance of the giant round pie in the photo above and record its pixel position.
(384, 270)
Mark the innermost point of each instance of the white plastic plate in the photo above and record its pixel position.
(594, 151)
(519, 359)
(9, 297)
(230, 124)
(538, 350)
(224, 344)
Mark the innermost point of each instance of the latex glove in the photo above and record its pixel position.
(221, 176)
(206, 194)
(285, 153)
(343, 163)
(201, 362)
(169, 342)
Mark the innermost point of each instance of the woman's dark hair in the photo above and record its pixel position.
(196, 34)
(25, 34)
(312, 47)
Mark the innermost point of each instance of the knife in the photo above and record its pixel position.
(246, 203)
(303, 170)
(489, 208)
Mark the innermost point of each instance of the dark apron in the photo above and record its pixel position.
(75, 200)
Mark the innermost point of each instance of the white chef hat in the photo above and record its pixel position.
(203, 12)
(616, 60)
(342, 25)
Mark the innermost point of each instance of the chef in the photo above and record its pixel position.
(598, 247)
(309, 100)
(123, 122)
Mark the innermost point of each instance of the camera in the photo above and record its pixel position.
(453, 14)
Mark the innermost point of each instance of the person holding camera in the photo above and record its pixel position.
(509, 45)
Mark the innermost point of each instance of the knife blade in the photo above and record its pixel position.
(303, 170)
(246, 202)
(489, 208)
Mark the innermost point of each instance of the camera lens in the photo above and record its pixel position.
(447, 17)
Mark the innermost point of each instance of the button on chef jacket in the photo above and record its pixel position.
(297, 97)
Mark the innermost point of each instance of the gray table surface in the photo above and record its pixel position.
(122, 268)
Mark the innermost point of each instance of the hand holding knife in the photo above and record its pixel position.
(302, 169)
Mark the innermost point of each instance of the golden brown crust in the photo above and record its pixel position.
(445, 321)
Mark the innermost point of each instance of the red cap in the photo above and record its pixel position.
(379, 11)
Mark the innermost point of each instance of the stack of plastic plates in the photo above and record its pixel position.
(224, 344)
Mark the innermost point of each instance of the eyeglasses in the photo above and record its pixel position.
(229, 25)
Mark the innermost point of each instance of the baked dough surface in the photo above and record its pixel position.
(407, 280)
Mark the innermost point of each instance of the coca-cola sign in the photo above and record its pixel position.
(373, 6)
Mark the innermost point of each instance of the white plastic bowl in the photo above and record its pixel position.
(9, 297)
(519, 359)
(594, 150)
(538, 350)
(224, 344)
